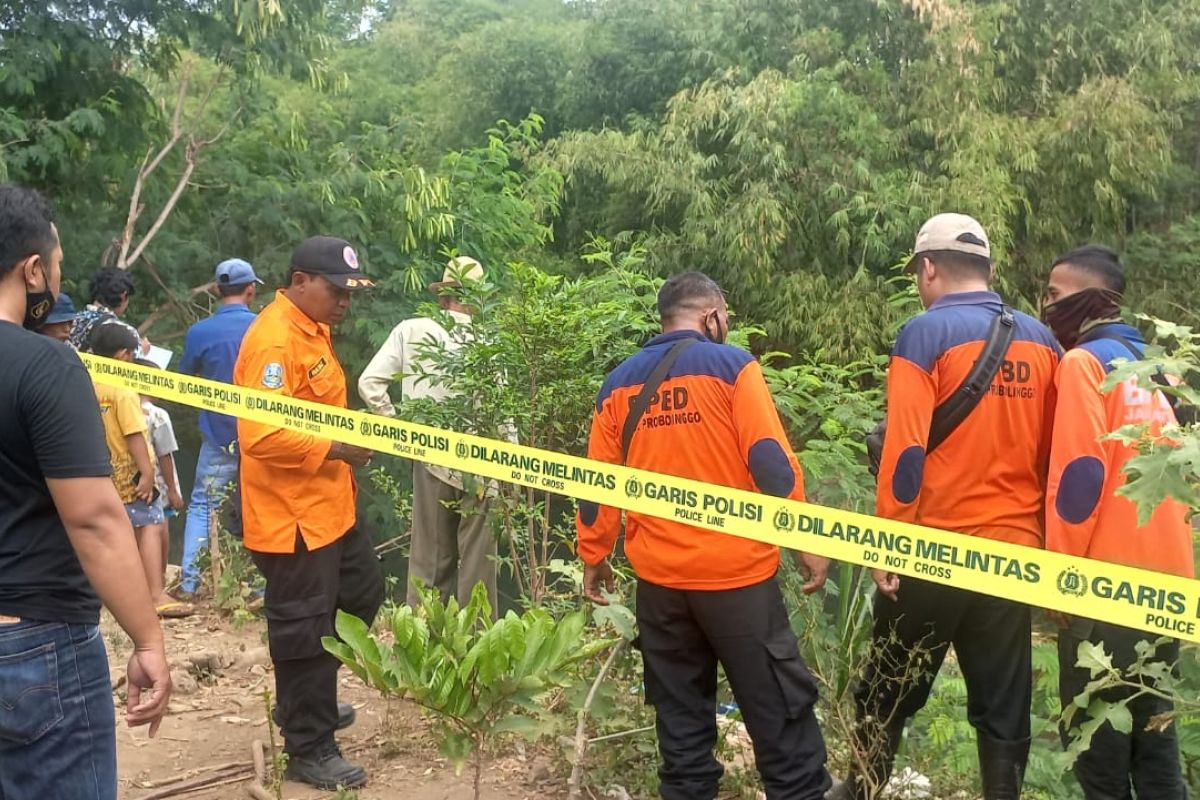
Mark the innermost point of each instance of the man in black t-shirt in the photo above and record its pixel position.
(65, 545)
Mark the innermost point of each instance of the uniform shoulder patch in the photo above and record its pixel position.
(272, 376)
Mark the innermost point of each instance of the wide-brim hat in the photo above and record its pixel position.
(459, 269)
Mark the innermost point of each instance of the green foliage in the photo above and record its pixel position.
(478, 678)
(529, 368)
(1145, 675)
(1167, 466)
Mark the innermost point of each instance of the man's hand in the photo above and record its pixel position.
(814, 569)
(145, 488)
(353, 455)
(149, 686)
(888, 582)
(175, 499)
(596, 577)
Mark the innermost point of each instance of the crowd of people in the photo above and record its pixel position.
(994, 428)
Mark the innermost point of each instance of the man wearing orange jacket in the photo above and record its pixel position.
(1086, 517)
(298, 507)
(985, 479)
(689, 405)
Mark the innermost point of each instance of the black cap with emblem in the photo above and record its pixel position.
(333, 259)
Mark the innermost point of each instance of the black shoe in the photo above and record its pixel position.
(325, 769)
(346, 716)
(1001, 767)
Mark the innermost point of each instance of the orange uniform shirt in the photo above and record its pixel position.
(1084, 514)
(988, 478)
(287, 483)
(713, 420)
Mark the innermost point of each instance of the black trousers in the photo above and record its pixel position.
(1118, 765)
(304, 591)
(683, 635)
(991, 638)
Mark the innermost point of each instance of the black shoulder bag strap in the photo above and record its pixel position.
(637, 409)
(958, 406)
(950, 414)
(1102, 332)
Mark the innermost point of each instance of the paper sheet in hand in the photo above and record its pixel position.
(161, 356)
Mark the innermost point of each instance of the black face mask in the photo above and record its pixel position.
(1067, 316)
(38, 305)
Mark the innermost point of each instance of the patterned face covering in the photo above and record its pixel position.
(1066, 317)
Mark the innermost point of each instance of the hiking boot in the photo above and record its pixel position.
(346, 716)
(1001, 767)
(325, 769)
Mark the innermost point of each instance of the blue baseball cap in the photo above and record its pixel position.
(235, 272)
(63, 311)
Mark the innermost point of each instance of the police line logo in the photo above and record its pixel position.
(364, 427)
(784, 520)
(461, 450)
(1072, 582)
(633, 488)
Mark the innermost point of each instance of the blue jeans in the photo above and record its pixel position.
(216, 479)
(57, 724)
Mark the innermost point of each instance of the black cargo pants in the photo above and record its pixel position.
(991, 637)
(1119, 765)
(683, 635)
(304, 591)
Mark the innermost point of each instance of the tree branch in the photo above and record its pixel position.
(575, 783)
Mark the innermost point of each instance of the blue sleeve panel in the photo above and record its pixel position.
(1079, 489)
(910, 471)
(771, 468)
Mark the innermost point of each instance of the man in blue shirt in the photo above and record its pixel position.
(210, 350)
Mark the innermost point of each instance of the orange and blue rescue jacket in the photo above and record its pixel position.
(988, 478)
(712, 420)
(1084, 514)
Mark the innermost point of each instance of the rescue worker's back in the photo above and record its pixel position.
(712, 420)
(988, 477)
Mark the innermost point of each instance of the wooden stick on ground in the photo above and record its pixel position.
(191, 773)
(258, 752)
(236, 772)
(258, 792)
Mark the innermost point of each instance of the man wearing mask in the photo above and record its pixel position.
(1085, 516)
(706, 598)
(210, 349)
(66, 545)
(453, 546)
(298, 494)
(986, 478)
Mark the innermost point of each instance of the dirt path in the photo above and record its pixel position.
(218, 711)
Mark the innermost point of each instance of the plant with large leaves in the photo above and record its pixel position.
(479, 678)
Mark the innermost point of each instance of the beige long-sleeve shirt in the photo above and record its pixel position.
(402, 357)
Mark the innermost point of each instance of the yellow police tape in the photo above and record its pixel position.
(1135, 598)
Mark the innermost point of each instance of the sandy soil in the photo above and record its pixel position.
(218, 710)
